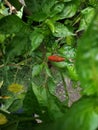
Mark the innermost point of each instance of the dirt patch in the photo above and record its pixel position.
(73, 92)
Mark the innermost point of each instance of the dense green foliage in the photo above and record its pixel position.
(28, 80)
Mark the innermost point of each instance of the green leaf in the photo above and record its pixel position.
(60, 65)
(61, 30)
(33, 5)
(37, 69)
(30, 103)
(72, 72)
(68, 52)
(55, 108)
(16, 105)
(20, 44)
(69, 10)
(51, 85)
(48, 101)
(70, 40)
(39, 16)
(85, 119)
(87, 59)
(36, 38)
(3, 10)
(93, 2)
(87, 16)
(47, 6)
(57, 8)
(41, 94)
(16, 4)
(20, 12)
(48, 72)
(83, 115)
(11, 24)
(2, 38)
(38, 6)
(50, 25)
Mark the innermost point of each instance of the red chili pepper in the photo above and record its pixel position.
(56, 58)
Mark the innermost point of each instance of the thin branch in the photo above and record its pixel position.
(18, 64)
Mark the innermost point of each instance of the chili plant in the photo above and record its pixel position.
(46, 44)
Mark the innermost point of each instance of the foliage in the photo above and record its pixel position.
(88, 53)
(28, 79)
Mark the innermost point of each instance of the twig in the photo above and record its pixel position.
(1, 65)
(18, 64)
(12, 8)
